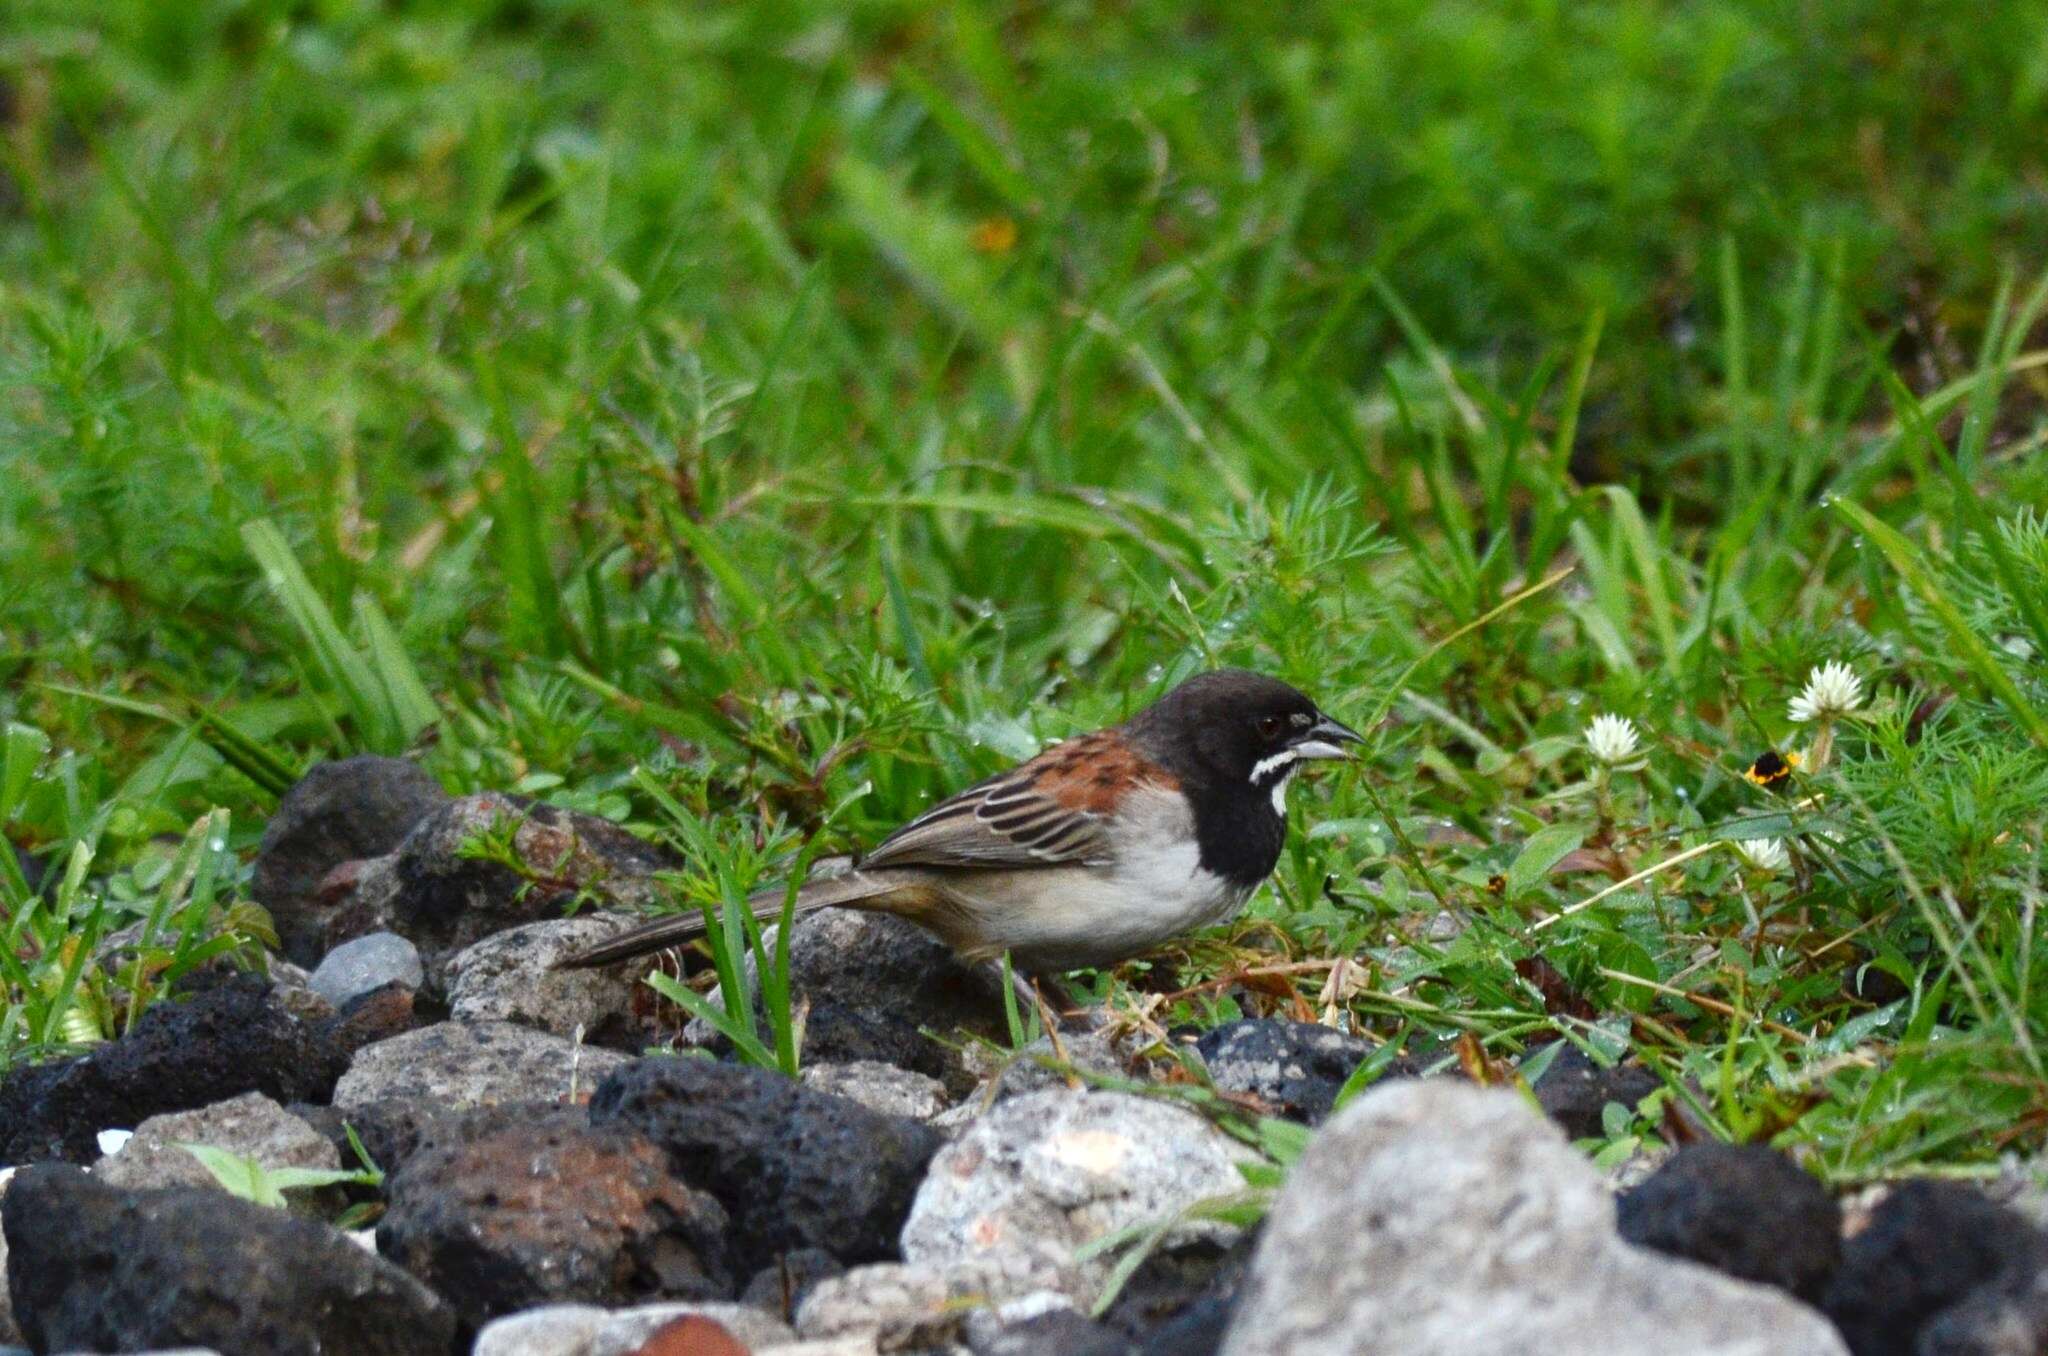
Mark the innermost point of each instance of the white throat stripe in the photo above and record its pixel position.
(1269, 765)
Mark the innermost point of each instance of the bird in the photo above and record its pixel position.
(1098, 849)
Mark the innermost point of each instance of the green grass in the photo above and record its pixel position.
(748, 420)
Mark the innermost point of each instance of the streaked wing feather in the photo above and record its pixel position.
(1046, 812)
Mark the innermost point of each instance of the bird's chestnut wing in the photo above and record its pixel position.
(1051, 811)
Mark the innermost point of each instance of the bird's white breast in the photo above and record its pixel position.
(1154, 889)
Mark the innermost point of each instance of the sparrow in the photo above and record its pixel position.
(1096, 850)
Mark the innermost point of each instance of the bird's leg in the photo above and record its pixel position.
(1046, 996)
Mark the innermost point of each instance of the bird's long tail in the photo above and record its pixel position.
(858, 889)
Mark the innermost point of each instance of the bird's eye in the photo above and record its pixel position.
(1270, 727)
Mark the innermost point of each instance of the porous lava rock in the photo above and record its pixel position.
(512, 1207)
(338, 812)
(1745, 1210)
(230, 1039)
(794, 1168)
(451, 893)
(1928, 1246)
(96, 1268)
(1574, 1091)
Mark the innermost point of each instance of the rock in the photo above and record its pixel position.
(782, 1286)
(1052, 1171)
(912, 1305)
(509, 977)
(625, 1332)
(553, 1330)
(1745, 1210)
(1057, 1332)
(2008, 1317)
(1041, 1065)
(875, 984)
(1574, 1091)
(378, 1015)
(1297, 1068)
(223, 1042)
(794, 1168)
(356, 899)
(1195, 1331)
(338, 812)
(1468, 1225)
(1190, 1291)
(879, 1087)
(448, 898)
(96, 1268)
(510, 1208)
(457, 1065)
(291, 988)
(251, 1126)
(8, 1332)
(1927, 1246)
(366, 964)
(390, 1129)
(581, 1330)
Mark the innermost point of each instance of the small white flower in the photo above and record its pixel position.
(1832, 689)
(1764, 854)
(1611, 739)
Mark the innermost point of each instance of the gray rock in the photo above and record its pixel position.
(251, 1125)
(1049, 1172)
(1041, 1064)
(1297, 1068)
(552, 1330)
(782, 1286)
(338, 812)
(355, 968)
(880, 1087)
(585, 1330)
(911, 1305)
(96, 1268)
(457, 1065)
(1469, 1226)
(509, 977)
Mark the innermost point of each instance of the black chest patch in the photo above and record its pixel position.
(1237, 832)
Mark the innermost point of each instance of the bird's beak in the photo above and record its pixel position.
(1326, 739)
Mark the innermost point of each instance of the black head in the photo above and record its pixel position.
(1230, 728)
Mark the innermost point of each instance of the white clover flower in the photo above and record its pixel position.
(1832, 689)
(1764, 854)
(1611, 739)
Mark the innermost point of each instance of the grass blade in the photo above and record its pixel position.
(1976, 656)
